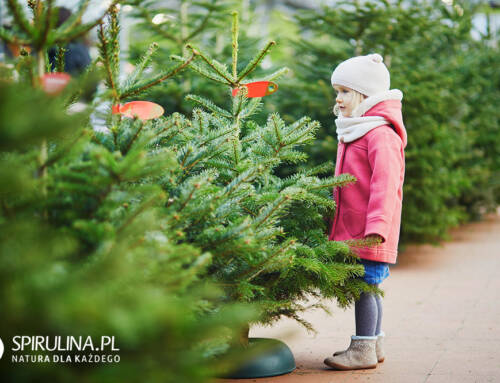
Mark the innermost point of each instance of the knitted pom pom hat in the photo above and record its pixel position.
(366, 74)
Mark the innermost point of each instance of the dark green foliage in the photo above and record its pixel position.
(199, 23)
(86, 248)
(266, 234)
(137, 83)
(90, 254)
(448, 90)
(482, 82)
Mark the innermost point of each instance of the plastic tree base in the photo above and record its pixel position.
(277, 359)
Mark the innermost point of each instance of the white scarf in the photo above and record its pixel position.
(351, 128)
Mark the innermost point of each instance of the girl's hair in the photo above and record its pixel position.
(356, 100)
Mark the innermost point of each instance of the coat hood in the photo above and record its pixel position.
(388, 106)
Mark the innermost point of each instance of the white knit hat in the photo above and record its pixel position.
(366, 74)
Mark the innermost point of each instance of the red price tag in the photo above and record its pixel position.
(258, 89)
(53, 83)
(115, 109)
(143, 110)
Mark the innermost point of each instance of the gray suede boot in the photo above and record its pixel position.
(361, 354)
(379, 348)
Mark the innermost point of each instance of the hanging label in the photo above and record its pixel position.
(115, 109)
(258, 89)
(143, 110)
(53, 83)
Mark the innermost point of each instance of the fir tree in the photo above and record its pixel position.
(85, 248)
(266, 234)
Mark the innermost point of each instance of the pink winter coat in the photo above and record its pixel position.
(373, 204)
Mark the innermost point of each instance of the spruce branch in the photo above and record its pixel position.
(231, 234)
(251, 108)
(11, 38)
(64, 151)
(171, 136)
(277, 124)
(47, 21)
(299, 124)
(292, 156)
(238, 103)
(19, 17)
(48, 65)
(338, 181)
(307, 325)
(37, 8)
(260, 267)
(217, 135)
(201, 69)
(61, 53)
(113, 34)
(143, 207)
(192, 164)
(217, 68)
(243, 177)
(319, 200)
(306, 135)
(209, 105)
(196, 186)
(43, 155)
(161, 77)
(248, 211)
(271, 209)
(234, 35)
(106, 61)
(143, 63)
(186, 155)
(236, 150)
(323, 168)
(273, 76)
(253, 63)
(134, 137)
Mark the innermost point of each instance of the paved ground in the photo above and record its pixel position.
(441, 317)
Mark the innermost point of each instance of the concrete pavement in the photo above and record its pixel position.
(441, 317)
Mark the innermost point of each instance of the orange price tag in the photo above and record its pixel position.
(53, 83)
(144, 110)
(258, 89)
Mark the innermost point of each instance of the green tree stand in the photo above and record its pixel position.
(275, 359)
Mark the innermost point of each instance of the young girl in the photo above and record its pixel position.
(372, 139)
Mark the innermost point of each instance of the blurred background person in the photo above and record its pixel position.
(77, 56)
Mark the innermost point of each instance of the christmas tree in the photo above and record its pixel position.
(266, 234)
(85, 248)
